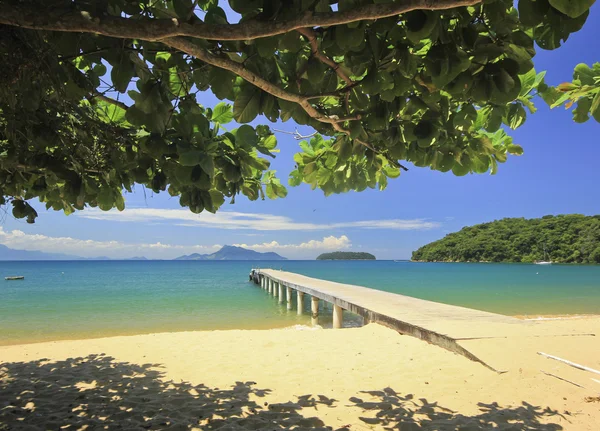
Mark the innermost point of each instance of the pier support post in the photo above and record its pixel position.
(314, 310)
(288, 297)
(338, 313)
(271, 286)
(300, 301)
(280, 287)
(262, 281)
(274, 288)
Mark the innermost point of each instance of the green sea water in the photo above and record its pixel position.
(84, 299)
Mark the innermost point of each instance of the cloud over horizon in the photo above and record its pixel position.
(20, 240)
(249, 221)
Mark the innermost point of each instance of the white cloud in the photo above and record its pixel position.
(250, 221)
(90, 248)
(20, 240)
(328, 243)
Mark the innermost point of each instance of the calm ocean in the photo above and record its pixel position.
(81, 299)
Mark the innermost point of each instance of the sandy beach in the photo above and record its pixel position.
(355, 378)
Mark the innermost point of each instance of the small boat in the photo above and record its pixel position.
(15, 277)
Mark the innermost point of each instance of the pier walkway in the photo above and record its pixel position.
(451, 327)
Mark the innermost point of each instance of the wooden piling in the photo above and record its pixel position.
(314, 310)
(289, 297)
(338, 316)
(300, 301)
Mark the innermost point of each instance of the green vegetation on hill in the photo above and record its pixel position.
(346, 255)
(566, 238)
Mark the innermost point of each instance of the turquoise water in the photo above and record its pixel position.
(80, 299)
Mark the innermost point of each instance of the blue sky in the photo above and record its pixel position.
(559, 173)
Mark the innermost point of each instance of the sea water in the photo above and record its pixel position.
(84, 299)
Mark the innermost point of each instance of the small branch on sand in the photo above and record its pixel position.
(564, 380)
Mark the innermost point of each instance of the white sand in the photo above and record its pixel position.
(358, 379)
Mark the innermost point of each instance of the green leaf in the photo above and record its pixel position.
(271, 191)
(391, 171)
(572, 8)
(247, 104)
(582, 112)
(190, 156)
(217, 198)
(323, 175)
(295, 178)
(527, 82)
(119, 201)
(270, 142)
(123, 72)
(595, 108)
(207, 164)
(246, 136)
(222, 113)
(515, 116)
(307, 148)
(585, 74)
(514, 149)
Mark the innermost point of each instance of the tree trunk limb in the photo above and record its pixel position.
(155, 29)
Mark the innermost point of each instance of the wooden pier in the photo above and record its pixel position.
(451, 327)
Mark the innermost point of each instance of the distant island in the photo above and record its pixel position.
(346, 255)
(230, 252)
(570, 238)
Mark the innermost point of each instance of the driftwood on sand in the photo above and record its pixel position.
(572, 364)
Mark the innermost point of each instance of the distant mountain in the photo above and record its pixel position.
(12, 254)
(230, 252)
(138, 258)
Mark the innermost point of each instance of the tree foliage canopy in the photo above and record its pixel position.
(563, 239)
(346, 255)
(431, 82)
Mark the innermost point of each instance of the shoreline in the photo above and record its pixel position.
(296, 327)
(370, 378)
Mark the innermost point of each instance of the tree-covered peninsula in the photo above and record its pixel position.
(570, 238)
(346, 255)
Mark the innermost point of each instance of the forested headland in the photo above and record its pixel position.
(572, 238)
(346, 255)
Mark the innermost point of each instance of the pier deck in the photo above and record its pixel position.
(451, 327)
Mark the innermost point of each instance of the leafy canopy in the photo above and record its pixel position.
(96, 96)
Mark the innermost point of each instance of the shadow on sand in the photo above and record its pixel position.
(97, 392)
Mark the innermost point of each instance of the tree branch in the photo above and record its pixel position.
(154, 29)
(200, 53)
(312, 39)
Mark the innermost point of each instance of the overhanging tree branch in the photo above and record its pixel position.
(154, 29)
(200, 53)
